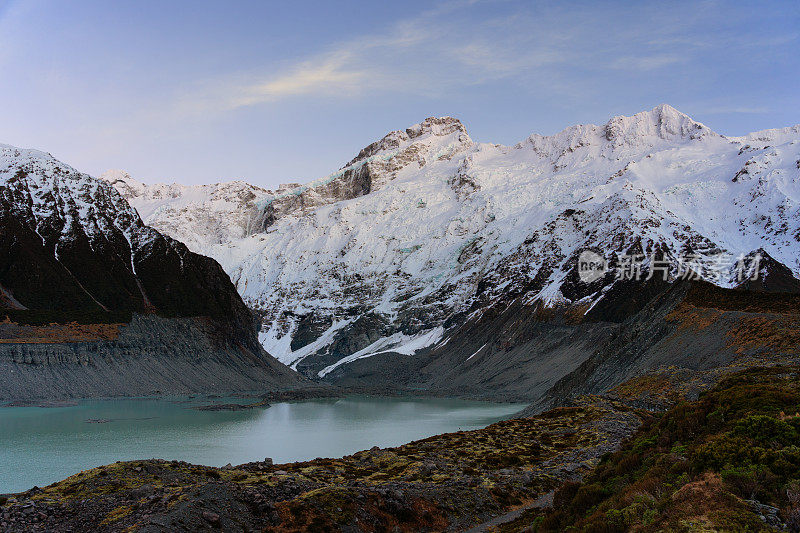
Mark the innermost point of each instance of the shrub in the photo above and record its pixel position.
(766, 429)
(588, 496)
(742, 481)
(730, 442)
(562, 498)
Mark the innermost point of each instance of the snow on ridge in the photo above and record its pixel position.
(644, 129)
(49, 194)
(218, 212)
(443, 214)
(773, 135)
(432, 127)
(396, 343)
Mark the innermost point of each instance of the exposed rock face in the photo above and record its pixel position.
(428, 230)
(773, 276)
(549, 356)
(72, 249)
(152, 355)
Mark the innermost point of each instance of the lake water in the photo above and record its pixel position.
(39, 446)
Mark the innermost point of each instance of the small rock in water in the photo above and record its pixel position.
(98, 421)
(223, 407)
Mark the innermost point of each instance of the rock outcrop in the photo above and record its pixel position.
(73, 251)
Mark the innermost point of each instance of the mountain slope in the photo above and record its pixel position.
(196, 215)
(86, 283)
(426, 229)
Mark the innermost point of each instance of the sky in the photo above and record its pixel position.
(276, 92)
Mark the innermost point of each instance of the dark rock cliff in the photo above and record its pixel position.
(73, 251)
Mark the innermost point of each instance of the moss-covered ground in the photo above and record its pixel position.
(729, 461)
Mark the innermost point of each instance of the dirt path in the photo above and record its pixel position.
(545, 500)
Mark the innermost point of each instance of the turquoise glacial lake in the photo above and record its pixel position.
(39, 445)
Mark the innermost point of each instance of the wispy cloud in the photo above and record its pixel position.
(428, 53)
(469, 42)
(136, 89)
(328, 75)
(645, 63)
(344, 69)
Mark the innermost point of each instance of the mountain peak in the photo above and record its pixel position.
(644, 129)
(112, 175)
(667, 109)
(438, 126)
(426, 226)
(123, 182)
(430, 127)
(663, 122)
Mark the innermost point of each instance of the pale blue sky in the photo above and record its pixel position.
(272, 92)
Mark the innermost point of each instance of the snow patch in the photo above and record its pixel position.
(396, 343)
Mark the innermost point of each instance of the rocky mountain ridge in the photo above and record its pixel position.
(426, 230)
(91, 294)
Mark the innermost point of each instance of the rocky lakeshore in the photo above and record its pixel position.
(451, 481)
(709, 453)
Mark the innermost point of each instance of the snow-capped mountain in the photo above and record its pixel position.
(200, 215)
(426, 228)
(102, 255)
(94, 302)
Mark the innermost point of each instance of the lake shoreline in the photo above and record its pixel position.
(218, 430)
(288, 395)
(451, 480)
